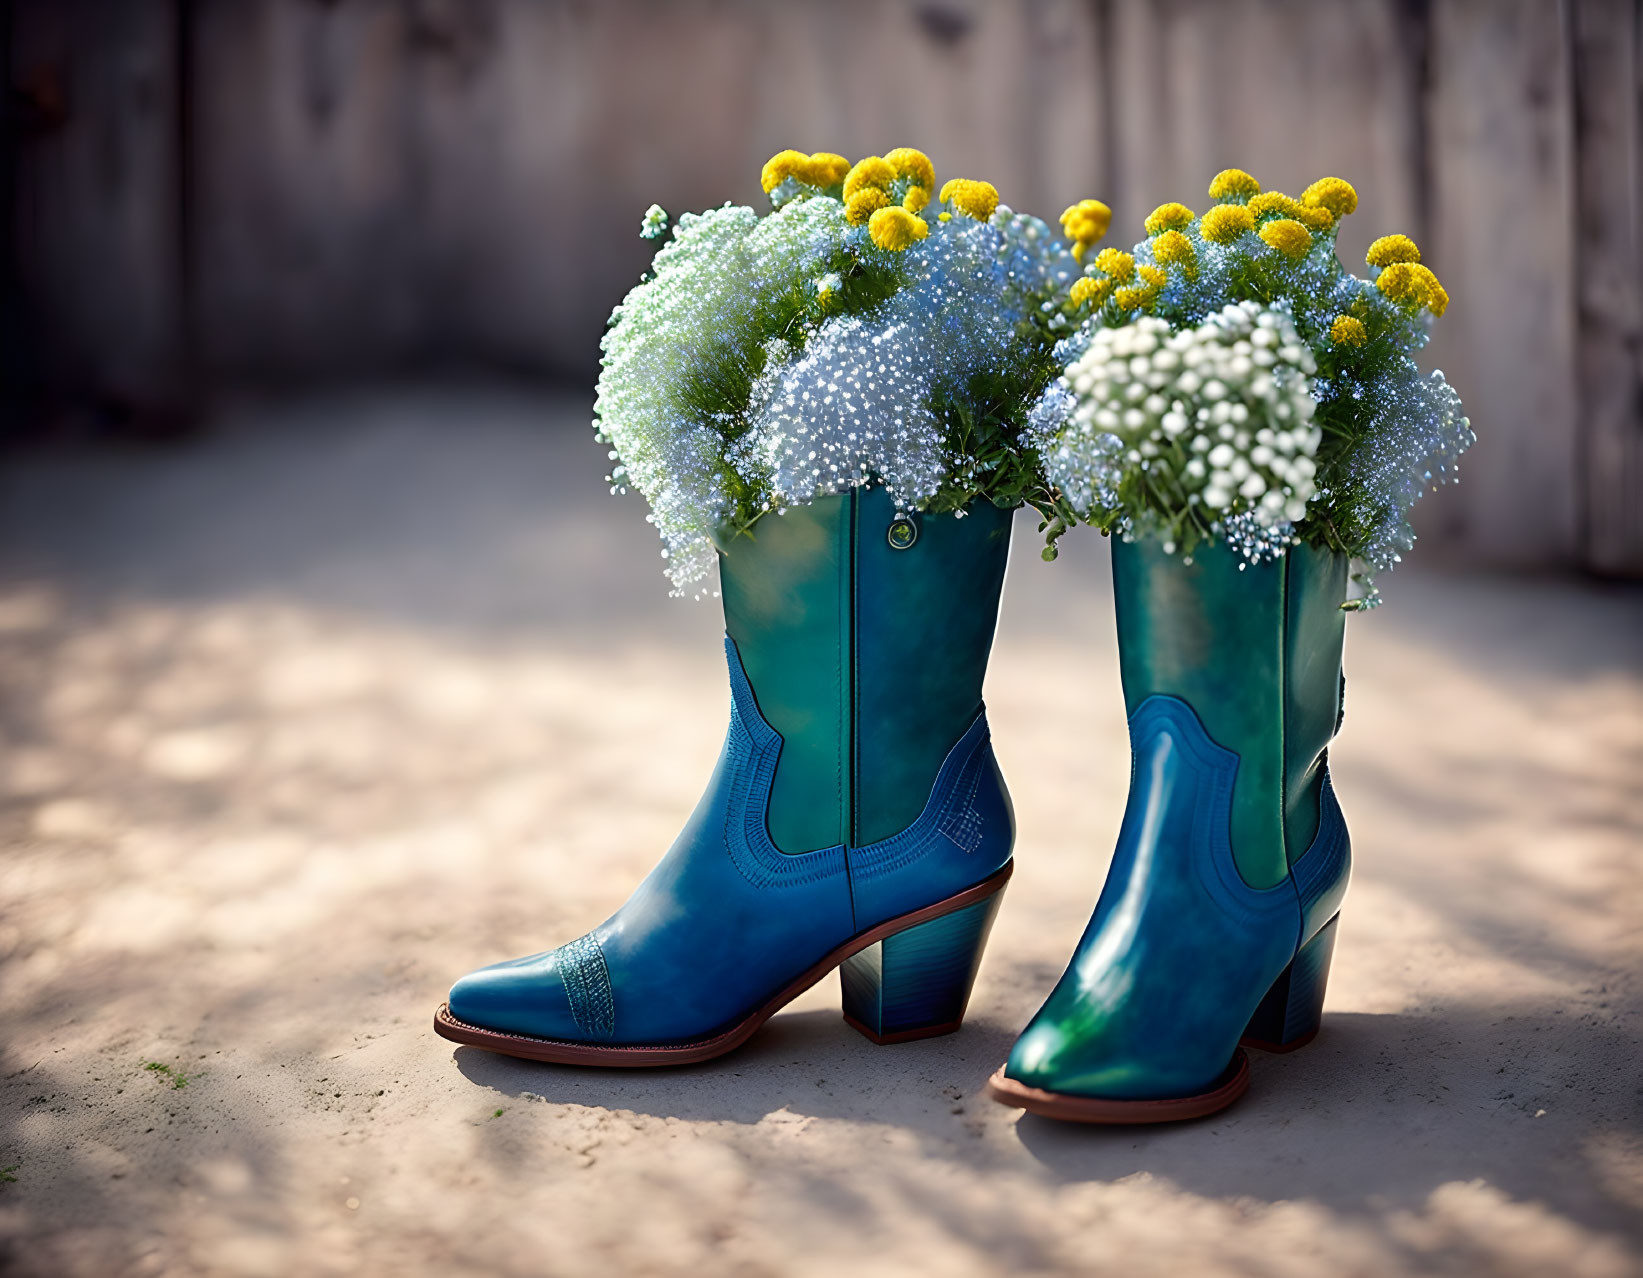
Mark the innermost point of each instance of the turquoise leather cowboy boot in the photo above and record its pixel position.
(856, 820)
(1217, 919)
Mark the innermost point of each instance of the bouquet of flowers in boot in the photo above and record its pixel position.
(873, 328)
(1229, 380)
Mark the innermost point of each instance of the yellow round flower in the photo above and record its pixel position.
(1116, 263)
(978, 199)
(908, 163)
(1414, 285)
(1315, 218)
(1391, 249)
(1085, 223)
(917, 197)
(1153, 276)
(1089, 289)
(781, 166)
(1274, 204)
(1288, 236)
(1134, 297)
(871, 171)
(944, 217)
(825, 169)
(1437, 297)
(1398, 282)
(863, 204)
(1226, 222)
(1233, 186)
(894, 228)
(1174, 249)
(1332, 193)
(1168, 217)
(1348, 331)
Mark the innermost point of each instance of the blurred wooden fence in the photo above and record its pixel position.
(216, 189)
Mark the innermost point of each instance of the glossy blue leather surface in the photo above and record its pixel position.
(1159, 989)
(1182, 949)
(726, 919)
(1322, 872)
(856, 784)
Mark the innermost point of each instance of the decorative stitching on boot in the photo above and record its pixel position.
(752, 747)
(582, 969)
(961, 825)
(950, 811)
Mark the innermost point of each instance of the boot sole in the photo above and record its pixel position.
(1094, 1109)
(692, 1051)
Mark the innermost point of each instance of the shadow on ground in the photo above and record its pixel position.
(1403, 1086)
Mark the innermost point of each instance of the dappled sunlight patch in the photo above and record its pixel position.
(1617, 1159)
(198, 754)
(73, 818)
(136, 918)
(26, 608)
(1473, 1224)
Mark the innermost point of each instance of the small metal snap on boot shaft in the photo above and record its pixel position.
(903, 532)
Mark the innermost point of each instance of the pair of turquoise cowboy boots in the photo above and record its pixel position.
(857, 820)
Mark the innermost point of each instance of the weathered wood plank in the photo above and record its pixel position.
(1608, 46)
(1290, 93)
(95, 188)
(1001, 91)
(462, 178)
(1503, 171)
(305, 178)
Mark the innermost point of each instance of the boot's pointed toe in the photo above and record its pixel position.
(1040, 1056)
(522, 996)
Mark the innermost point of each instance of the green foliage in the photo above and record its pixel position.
(986, 456)
(176, 1077)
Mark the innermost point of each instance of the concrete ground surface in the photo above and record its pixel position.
(304, 720)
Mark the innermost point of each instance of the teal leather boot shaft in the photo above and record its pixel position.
(857, 813)
(866, 655)
(1314, 638)
(786, 591)
(1255, 650)
(1214, 924)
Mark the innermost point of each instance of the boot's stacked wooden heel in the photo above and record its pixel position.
(916, 983)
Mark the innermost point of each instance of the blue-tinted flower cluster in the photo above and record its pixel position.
(768, 361)
(1388, 432)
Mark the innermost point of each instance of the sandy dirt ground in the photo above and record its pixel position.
(304, 721)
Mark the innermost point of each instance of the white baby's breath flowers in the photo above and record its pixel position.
(654, 224)
(721, 401)
(1215, 420)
